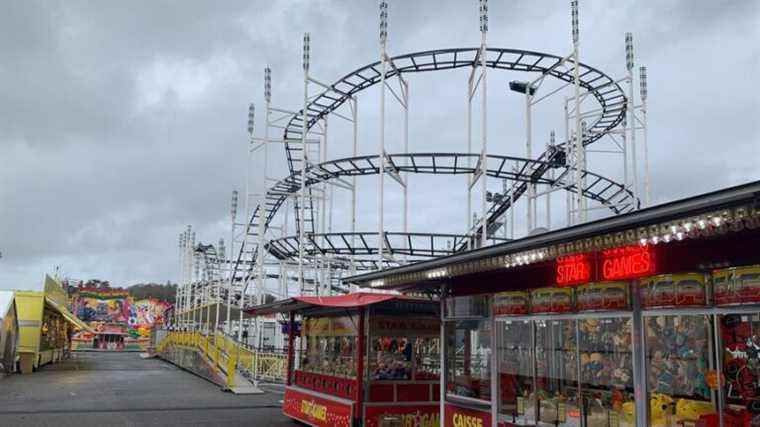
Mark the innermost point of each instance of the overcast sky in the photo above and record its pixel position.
(121, 122)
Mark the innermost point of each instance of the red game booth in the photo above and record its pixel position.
(392, 340)
(648, 319)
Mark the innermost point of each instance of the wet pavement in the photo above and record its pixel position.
(122, 389)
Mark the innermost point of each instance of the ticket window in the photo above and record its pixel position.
(517, 405)
(740, 342)
(557, 394)
(606, 364)
(678, 364)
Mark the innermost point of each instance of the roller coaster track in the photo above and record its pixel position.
(607, 92)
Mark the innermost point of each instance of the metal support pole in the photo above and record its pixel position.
(233, 215)
(406, 159)
(553, 145)
(484, 143)
(304, 160)
(217, 282)
(578, 136)
(381, 142)
(323, 210)
(468, 214)
(354, 151)
(529, 155)
(631, 112)
(568, 156)
(644, 124)
(177, 301)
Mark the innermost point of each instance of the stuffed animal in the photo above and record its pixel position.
(660, 405)
(692, 410)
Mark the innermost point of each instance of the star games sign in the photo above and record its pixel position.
(628, 262)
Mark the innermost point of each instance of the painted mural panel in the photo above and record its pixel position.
(120, 323)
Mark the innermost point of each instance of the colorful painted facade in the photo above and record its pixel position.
(119, 322)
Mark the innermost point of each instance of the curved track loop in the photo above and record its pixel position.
(601, 87)
(414, 245)
(599, 188)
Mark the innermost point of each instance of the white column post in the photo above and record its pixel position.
(631, 112)
(406, 159)
(483, 122)
(381, 142)
(568, 159)
(354, 151)
(230, 283)
(579, 149)
(221, 255)
(553, 145)
(644, 124)
(529, 155)
(304, 160)
(471, 177)
(323, 212)
(177, 301)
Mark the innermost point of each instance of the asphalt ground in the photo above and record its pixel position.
(122, 389)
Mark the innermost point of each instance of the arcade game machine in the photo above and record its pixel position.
(361, 359)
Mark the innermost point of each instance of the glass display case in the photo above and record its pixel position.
(606, 366)
(557, 391)
(404, 349)
(516, 366)
(740, 367)
(330, 346)
(468, 370)
(679, 354)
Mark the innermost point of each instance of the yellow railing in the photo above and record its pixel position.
(227, 355)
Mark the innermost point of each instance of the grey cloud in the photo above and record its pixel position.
(123, 122)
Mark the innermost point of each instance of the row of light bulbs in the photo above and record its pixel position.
(694, 227)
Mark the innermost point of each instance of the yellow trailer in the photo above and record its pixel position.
(45, 326)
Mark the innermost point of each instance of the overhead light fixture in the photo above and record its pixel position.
(522, 87)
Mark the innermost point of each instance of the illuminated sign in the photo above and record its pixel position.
(573, 270)
(628, 262)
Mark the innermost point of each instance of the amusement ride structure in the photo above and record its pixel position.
(278, 255)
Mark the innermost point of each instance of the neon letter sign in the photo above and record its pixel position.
(573, 270)
(627, 263)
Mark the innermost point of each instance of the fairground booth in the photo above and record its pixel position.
(363, 359)
(646, 319)
(45, 325)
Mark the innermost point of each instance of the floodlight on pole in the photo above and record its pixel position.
(483, 16)
(306, 51)
(234, 205)
(268, 84)
(574, 18)
(629, 51)
(522, 87)
(383, 23)
(643, 82)
(251, 112)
